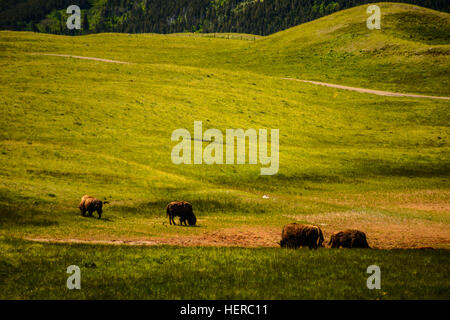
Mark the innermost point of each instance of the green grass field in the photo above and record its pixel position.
(347, 160)
(36, 271)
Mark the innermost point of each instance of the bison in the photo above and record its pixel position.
(298, 235)
(183, 210)
(349, 239)
(91, 204)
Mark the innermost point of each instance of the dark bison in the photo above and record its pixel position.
(91, 204)
(349, 239)
(296, 235)
(183, 210)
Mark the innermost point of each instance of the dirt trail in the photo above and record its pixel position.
(362, 90)
(82, 57)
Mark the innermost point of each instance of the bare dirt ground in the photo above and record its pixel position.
(382, 233)
(230, 237)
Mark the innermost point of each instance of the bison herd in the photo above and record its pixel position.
(296, 235)
(293, 235)
(174, 209)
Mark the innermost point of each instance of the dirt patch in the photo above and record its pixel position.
(243, 237)
(384, 231)
(231, 237)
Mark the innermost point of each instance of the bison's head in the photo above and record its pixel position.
(282, 243)
(98, 205)
(332, 239)
(192, 220)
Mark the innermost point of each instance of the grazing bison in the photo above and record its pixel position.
(183, 210)
(91, 204)
(349, 239)
(298, 235)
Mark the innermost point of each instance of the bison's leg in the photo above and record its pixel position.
(348, 244)
(363, 243)
(170, 219)
(99, 214)
(83, 211)
(90, 213)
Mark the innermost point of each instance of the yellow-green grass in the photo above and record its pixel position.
(72, 127)
(36, 271)
(409, 54)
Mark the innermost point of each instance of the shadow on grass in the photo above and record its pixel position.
(412, 169)
(24, 217)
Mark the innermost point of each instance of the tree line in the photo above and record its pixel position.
(261, 17)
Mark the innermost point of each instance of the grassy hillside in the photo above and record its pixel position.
(72, 127)
(409, 54)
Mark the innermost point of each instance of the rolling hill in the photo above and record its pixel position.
(409, 54)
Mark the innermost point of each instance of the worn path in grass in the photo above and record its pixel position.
(83, 57)
(361, 90)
